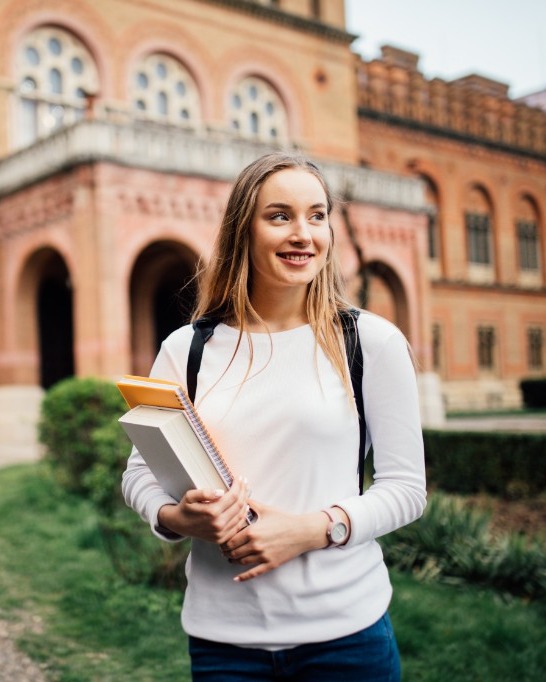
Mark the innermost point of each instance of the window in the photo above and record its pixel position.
(163, 90)
(257, 111)
(527, 245)
(478, 232)
(535, 344)
(436, 347)
(486, 348)
(55, 72)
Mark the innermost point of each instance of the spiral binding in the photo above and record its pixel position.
(205, 438)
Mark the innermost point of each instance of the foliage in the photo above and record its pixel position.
(501, 463)
(88, 450)
(71, 412)
(140, 557)
(533, 392)
(453, 542)
(88, 624)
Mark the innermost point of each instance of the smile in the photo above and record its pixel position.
(296, 257)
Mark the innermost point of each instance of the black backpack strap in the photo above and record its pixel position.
(203, 330)
(349, 320)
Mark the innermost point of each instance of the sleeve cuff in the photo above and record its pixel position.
(152, 512)
(362, 529)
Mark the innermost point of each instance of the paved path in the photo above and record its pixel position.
(14, 665)
(527, 423)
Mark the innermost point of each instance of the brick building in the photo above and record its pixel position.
(125, 122)
(483, 159)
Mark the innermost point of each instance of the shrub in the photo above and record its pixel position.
(71, 413)
(533, 392)
(88, 450)
(507, 464)
(453, 542)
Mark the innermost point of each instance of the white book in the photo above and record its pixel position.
(171, 449)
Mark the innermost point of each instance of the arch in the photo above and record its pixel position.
(386, 295)
(78, 19)
(162, 88)
(162, 292)
(44, 325)
(262, 65)
(179, 46)
(55, 74)
(527, 208)
(257, 111)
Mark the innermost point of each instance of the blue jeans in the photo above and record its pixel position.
(370, 655)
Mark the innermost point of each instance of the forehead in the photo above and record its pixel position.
(290, 185)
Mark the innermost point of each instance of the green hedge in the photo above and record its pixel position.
(507, 464)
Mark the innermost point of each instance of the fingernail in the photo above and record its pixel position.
(217, 492)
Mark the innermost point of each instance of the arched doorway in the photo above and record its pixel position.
(162, 292)
(386, 295)
(45, 323)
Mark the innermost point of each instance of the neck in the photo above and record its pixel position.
(280, 310)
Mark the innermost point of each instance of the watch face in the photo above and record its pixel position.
(338, 532)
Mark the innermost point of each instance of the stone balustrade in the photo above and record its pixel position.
(170, 149)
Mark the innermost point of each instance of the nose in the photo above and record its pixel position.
(301, 233)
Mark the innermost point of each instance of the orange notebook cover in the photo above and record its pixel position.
(147, 391)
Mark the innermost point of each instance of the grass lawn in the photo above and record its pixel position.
(95, 627)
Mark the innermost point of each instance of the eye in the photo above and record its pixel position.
(318, 216)
(279, 216)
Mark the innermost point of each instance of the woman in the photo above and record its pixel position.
(303, 592)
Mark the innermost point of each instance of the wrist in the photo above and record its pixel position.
(338, 529)
(164, 516)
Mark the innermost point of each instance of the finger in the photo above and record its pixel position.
(261, 569)
(197, 496)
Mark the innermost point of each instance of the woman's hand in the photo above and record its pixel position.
(275, 538)
(212, 515)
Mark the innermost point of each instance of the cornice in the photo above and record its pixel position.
(494, 287)
(278, 16)
(448, 134)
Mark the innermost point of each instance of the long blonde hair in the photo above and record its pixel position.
(225, 283)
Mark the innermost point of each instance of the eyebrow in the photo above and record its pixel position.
(287, 206)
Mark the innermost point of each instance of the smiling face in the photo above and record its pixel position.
(290, 233)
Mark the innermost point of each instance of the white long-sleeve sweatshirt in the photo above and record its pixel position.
(291, 430)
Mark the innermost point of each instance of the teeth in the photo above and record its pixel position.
(290, 256)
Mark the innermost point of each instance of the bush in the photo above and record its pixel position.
(454, 542)
(71, 413)
(88, 450)
(533, 392)
(507, 464)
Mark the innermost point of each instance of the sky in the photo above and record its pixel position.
(501, 39)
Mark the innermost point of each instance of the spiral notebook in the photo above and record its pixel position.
(166, 429)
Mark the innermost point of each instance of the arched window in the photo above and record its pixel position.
(257, 111)
(478, 222)
(527, 235)
(162, 89)
(433, 226)
(54, 73)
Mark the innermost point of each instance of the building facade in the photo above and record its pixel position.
(124, 124)
(482, 157)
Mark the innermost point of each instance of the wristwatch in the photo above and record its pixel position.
(337, 531)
